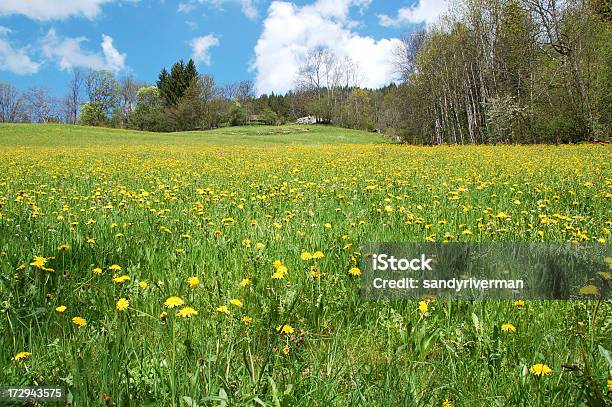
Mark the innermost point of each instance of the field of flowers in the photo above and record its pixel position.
(229, 275)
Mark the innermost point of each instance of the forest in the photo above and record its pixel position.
(489, 71)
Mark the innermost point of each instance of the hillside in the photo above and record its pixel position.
(65, 135)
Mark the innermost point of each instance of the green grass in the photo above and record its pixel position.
(64, 135)
(132, 199)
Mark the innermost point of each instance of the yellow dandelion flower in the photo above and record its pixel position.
(79, 321)
(540, 369)
(63, 248)
(179, 250)
(609, 386)
(306, 256)
(285, 329)
(193, 281)
(286, 350)
(236, 302)
(245, 282)
(173, 302)
(115, 267)
(447, 403)
(163, 315)
(519, 303)
(143, 285)
(60, 309)
(223, 309)
(122, 304)
(97, 271)
(247, 320)
(318, 255)
(508, 328)
(277, 264)
(423, 307)
(117, 279)
(187, 312)
(355, 272)
(22, 356)
(278, 275)
(260, 246)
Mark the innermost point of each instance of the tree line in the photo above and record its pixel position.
(491, 71)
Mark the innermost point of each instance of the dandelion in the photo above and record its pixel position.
(260, 246)
(97, 271)
(223, 309)
(63, 248)
(186, 312)
(245, 282)
(173, 302)
(285, 329)
(40, 262)
(423, 307)
(278, 275)
(60, 309)
(286, 350)
(122, 304)
(277, 264)
(282, 269)
(193, 281)
(509, 328)
(306, 256)
(143, 285)
(356, 272)
(540, 369)
(247, 320)
(117, 279)
(519, 303)
(79, 321)
(179, 250)
(22, 356)
(609, 386)
(115, 267)
(163, 315)
(236, 302)
(447, 403)
(318, 255)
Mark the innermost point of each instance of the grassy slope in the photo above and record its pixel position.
(64, 135)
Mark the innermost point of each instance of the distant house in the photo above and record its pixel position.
(306, 120)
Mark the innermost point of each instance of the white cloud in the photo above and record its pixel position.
(290, 32)
(54, 9)
(15, 60)
(201, 48)
(114, 59)
(248, 7)
(424, 11)
(67, 52)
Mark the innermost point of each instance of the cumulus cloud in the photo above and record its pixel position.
(14, 60)
(248, 7)
(68, 53)
(54, 9)
(291, 31)
(424, 11)
(201, 48)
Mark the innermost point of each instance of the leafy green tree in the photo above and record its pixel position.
(237, 116)
(269, 116)
(93, 114)
(172, 86)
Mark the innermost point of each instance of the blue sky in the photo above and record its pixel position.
(261, 40)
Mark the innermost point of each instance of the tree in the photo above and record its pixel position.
(92, 114)
(128, 89)
(269, 116)
(172, 86)
(103, 94)
(39, 105)
(11, 103)
(237, 115)
(72, 99)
